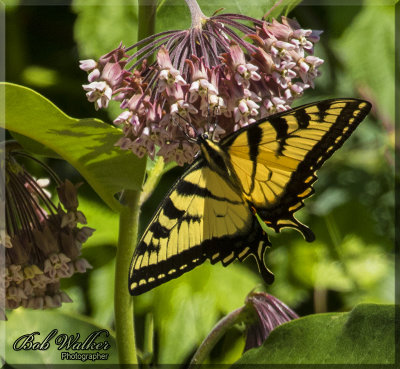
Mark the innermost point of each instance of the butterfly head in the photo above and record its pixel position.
(204, 136)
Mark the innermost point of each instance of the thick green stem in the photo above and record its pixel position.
(128, 228)
(123, 302)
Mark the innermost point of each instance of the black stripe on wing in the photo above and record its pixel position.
(254, 136)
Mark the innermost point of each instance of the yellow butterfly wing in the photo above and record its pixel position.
(201, 217)
(275, 160)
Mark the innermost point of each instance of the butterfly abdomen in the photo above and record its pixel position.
(212, 153)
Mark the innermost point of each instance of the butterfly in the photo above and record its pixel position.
(264, 170)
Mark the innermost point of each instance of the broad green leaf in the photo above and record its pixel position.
(363, 336)
(23, 321)
(103, 220)
(185, 309)
(87, 144)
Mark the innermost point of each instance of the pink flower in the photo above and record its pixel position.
(98, 92)
(169, 76)
(87, 65)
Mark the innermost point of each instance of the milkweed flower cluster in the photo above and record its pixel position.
(41, 242)
(216, 77)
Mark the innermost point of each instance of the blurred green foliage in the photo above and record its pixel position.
(352, 213)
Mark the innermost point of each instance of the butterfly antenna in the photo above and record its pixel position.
(208, 110)
(191, 139)
(210, 116)
(215, 122)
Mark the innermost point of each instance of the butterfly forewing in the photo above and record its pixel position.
(275, 160)
(201, 217)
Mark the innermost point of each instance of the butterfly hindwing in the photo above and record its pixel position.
(275, 160)
(201, 217)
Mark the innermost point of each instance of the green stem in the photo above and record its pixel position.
(196, 13)
(148, 340)
(123, 302)
(216, 333)
(146, 19)
(128, 229)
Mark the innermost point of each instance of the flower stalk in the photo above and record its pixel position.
(147, 18)
(196, 13)
(214, 336)
(123, 302)
(128, 230)
(261, 314)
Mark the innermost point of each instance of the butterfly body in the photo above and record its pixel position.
(219, 161)
(266, 168)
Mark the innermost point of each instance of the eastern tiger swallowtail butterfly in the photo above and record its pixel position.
(266, 168)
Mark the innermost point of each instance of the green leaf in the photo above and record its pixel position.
(103, 220)
(363, 336)
(87, 144)
(21, 322)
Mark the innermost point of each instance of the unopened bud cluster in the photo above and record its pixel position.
(268, 313)
(41, 242)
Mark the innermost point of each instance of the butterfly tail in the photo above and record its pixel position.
(307, 233)
(267, 275)
(288, 222)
